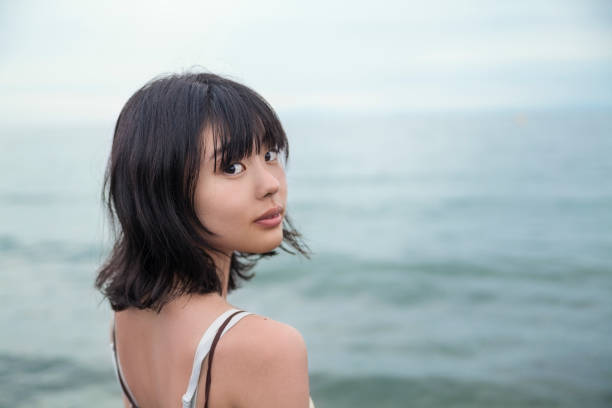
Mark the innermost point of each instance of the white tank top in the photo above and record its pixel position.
(228, 318)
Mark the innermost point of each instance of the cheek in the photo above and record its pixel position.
(219, 205)
(282, 179)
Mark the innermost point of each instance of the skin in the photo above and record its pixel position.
(227, 202)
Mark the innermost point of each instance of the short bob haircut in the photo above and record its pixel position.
(150, 180)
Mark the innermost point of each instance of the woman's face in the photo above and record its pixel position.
(228, 201)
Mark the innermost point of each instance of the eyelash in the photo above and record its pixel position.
(231, 164)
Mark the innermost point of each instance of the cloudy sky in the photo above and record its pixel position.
(79, 60)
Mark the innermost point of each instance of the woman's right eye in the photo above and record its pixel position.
(231, 167)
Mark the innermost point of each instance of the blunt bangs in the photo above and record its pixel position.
(241, 120)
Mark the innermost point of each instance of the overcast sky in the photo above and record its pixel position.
(80, 60)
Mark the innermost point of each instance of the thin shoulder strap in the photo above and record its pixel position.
(211, 354)
(190, 396)
(119, 372)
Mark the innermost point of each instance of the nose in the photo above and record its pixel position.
(268, 182)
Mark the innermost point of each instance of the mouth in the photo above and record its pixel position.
(271, 218)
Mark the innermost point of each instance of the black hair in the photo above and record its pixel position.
(150, 180)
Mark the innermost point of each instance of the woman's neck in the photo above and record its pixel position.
(222, 262)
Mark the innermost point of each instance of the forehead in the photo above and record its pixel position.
(210, 146)
(207, 139)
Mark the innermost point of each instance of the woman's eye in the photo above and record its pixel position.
(273, 154)
(231, 169)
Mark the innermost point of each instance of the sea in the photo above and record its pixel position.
(459, 259)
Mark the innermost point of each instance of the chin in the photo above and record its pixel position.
(262, 245)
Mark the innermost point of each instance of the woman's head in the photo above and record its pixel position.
(196, 159)
(229, 199)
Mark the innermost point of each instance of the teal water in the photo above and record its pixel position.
(459, 260)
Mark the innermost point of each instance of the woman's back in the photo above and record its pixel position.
(258, 362)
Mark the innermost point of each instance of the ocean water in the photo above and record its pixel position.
(459, 259)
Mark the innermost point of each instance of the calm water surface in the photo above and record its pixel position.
(459, 260)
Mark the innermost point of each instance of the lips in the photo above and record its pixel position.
(272, 213)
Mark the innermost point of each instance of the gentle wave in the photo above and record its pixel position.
(51, 250)
(26, 380)
(437, 391)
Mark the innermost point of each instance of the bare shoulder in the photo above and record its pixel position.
(268, 362)
(266, 334)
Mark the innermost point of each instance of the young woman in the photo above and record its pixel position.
(196, 190)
